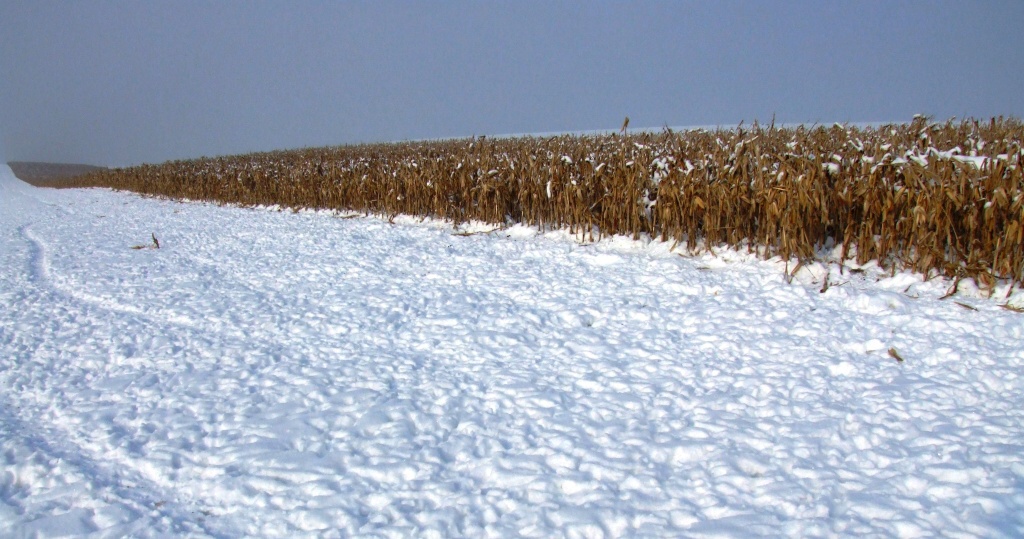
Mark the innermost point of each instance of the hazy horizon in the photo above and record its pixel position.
(117, 83)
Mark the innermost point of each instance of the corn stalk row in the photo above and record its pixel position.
(937, 198)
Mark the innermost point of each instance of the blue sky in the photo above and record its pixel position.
(118, 83)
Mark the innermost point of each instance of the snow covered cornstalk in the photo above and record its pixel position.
(945, 197)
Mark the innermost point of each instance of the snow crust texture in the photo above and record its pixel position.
(285, 375)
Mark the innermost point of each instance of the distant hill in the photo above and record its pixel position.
(40, 173)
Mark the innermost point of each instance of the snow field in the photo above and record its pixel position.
(300, 374)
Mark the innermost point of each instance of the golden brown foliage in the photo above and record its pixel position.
(946, 197)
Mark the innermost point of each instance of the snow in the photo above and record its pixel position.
(283, 374)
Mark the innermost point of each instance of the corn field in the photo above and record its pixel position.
(938, 198)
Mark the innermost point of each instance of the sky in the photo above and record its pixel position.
(118, 83)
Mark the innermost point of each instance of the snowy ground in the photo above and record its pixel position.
(278, 374)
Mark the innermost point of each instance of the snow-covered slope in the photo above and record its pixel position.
(278, 374)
